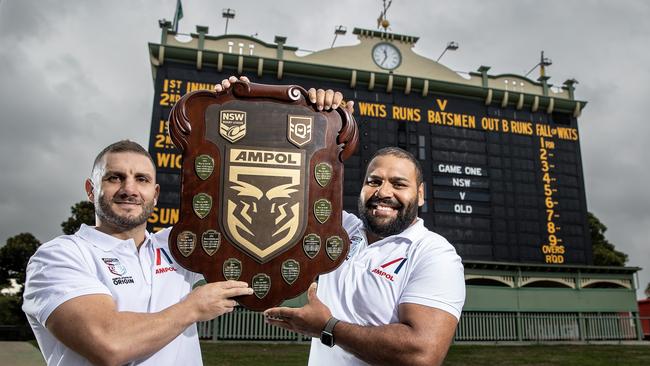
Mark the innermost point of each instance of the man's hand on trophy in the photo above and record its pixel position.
(308, 320)
(215, 299)
(225, 83)
(326, 99)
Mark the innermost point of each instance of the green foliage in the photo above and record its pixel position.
(13, 263)
(14, 257)
(82, 213)
(604, 252)
(647, 290)
(10, 310)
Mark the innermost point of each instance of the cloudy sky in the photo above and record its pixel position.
(75, 76)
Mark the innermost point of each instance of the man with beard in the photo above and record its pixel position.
(112, 294)
(397, 298)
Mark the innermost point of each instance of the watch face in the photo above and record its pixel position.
(327, 339)
(386, 56)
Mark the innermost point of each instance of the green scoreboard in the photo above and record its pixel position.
(501, 183)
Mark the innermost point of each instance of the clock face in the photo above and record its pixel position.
(386, 56)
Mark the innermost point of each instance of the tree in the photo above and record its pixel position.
(14, 257)
(13, 263)
(604, 252)
(647, 290)
(82, 213)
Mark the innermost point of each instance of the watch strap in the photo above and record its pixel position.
(329, 326)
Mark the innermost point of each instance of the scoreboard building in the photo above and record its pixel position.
(502, 171)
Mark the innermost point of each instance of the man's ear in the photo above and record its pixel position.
(155, 197)
(90, 190)
(421, 195)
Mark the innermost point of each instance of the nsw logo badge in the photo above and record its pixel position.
(232, 125)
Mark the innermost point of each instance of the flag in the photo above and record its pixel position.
(178, 15)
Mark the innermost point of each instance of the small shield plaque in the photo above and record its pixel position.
(323, 173)
(334, 247)
(261, 284)
(202, 203)
(186, 242)
(210, 241)
(232, 269)
(322, 210)
(204, 166)
(290, 270)
(311, 245)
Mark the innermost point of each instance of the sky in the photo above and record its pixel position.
(75, 76)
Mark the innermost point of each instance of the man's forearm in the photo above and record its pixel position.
(147, 333)
(392, 344)
(115, 338)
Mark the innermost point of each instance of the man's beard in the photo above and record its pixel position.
(105, 212)
(404, 219)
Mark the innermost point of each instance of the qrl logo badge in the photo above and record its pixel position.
(299, 129)
(265, 194)
(232, 125)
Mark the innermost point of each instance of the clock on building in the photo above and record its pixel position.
(386, 56)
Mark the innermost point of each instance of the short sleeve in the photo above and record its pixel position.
(436, 280)
(56, 273)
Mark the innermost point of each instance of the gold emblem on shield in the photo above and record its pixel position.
(264, 193)
(232, 125)
(299, 129)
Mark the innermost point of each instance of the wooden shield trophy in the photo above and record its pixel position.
(261, 189)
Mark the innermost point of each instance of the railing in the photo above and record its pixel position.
(535, 327)
(246, 325)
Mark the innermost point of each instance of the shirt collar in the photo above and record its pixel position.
(104, 241)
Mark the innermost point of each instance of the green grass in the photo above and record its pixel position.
(249, 354)
(244, 354)
(549, 355)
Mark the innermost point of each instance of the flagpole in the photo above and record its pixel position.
(178, 14)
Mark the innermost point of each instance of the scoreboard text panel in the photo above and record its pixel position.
(500, 184)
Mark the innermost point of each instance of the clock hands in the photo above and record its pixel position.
(385, 56)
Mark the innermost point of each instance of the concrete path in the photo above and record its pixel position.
(20, 354)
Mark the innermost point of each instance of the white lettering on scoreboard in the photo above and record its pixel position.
(463, 209)
(459, 169)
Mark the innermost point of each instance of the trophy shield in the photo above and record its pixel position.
(261, 188)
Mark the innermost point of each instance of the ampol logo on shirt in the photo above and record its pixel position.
(395, 263)
(168, 267)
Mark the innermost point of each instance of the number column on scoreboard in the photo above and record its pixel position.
(552, 247)
(565, 229)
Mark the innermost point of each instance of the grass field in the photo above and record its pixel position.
(231, 354)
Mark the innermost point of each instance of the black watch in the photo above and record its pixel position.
(327, 334)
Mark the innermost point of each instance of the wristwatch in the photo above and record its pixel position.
(327, 334)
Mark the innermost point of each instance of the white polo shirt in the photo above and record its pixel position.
(416, 266)
(91, 262)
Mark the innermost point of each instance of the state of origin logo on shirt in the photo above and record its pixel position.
(164, 262)
(384, 270)
(118, 269)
